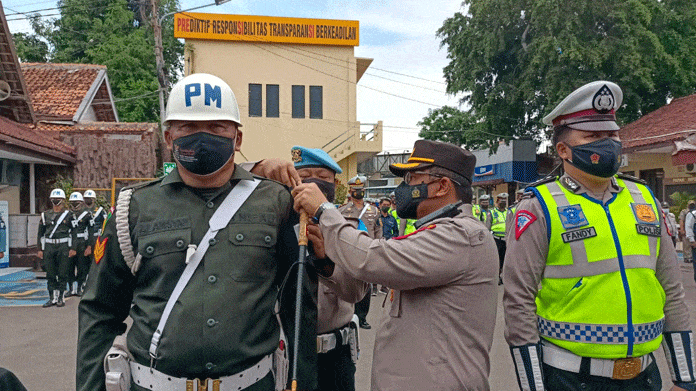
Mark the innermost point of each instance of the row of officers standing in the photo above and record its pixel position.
(66, 236)
(202, 261)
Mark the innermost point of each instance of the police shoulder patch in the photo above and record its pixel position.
(431, 226)
(572, 216)
(523, 219)
(645, 214)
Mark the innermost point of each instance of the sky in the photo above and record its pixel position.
(400, 35)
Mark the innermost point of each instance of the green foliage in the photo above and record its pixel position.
(341, 193)
(30, 48)
(517, 59)
(454, 126)
(680, 199)
(118, 34)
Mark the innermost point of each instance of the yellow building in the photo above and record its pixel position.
(294, 79)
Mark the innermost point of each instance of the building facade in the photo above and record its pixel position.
(294, 80)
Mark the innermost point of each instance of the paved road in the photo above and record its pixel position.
(38, 344)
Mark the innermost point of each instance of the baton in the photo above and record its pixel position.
(302, 241)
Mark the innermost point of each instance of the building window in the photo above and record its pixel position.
(315, 102)
(272, 97)
(255, 100)
(298, 101)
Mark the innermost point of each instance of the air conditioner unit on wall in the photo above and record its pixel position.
(691, 168)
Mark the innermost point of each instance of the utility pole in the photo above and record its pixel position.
(159, 57)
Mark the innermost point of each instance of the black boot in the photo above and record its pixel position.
(61, 302)
(50, 302)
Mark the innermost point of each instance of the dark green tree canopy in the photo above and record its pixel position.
(517, 59)
(115, 33)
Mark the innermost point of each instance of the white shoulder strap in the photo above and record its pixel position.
(82, 215)
(364, 209)
(60, 220)
(222, 216)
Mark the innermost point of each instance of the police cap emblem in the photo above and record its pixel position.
(296, 155)
(603, 100)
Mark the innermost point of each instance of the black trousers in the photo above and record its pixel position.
(337, 370)
(363, 306)
(500, 243)
(55, 258)
(82, 262)
(560, 380)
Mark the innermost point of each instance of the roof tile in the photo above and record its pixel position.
(57, 90)
(32, 136)
(671, 122)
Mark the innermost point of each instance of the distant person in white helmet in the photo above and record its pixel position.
(197, 260)
(55, 241)
(81, 220)
(99, 215)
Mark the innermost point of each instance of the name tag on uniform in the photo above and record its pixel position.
(649, 229)
(578, 234)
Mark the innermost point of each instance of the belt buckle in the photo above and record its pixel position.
(626, 368)
(320, 344)
(202, 385)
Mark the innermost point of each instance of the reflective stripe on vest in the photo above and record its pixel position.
(600, 272)
(498, 222)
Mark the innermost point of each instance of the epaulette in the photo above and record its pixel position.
(631, 178)
(547, 179)
(272, 180)
(140, 185)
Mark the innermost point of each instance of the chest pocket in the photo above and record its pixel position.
(161, 243)
(253, 257)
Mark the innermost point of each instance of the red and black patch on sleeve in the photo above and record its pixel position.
(431, 226)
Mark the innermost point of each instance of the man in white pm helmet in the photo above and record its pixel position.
(213, 321)
(54, 236)
(81, 237)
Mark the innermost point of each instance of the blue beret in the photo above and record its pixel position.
(313, 157)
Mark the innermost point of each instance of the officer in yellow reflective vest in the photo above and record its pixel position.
(498, 216)
(592, 283)
(480, 211)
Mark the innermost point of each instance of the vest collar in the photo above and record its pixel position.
(577, 188)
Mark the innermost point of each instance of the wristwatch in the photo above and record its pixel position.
(321, 209)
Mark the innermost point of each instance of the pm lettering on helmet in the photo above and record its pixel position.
(212, 94)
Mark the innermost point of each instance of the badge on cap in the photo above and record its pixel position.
(523, 219)
(358, 182)
(296, 155)
(603, 100)
(572, 216)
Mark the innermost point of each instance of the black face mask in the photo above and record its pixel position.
(56, 202)
(328, 188)
(358, 194)
(599, 158)
(74, 205)
(385, 209)
(692, 207)
(88, 202)
(408, 198)
(502, 205)
(203, 153)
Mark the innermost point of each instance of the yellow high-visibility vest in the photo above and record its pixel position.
(599, 295)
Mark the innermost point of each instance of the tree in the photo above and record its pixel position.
(118, 34)
(517, 59)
